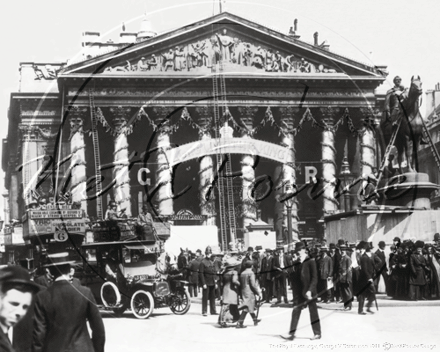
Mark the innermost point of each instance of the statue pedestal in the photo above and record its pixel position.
(410, 190)
(403, 210)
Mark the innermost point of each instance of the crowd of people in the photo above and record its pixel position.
(345, 271)
(241, 281)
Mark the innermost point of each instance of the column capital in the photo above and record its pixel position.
(328, 115)
(247, 114)
(76, 118)
(287, 116)
(162, 117)
(120, 117)
(204, 115)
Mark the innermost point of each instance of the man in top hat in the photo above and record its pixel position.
(383, 270)
(62, 312)
(207, 281)
(366, 276)
(325, 272)
(305, 279)
(16, 294)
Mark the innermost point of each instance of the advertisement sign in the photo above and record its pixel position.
(55, 214)
(50, 226)
(57, 222)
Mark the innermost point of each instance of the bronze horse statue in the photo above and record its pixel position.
(411, 127)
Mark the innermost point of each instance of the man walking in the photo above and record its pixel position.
(62, 312)
(207, 281)
(305, 280)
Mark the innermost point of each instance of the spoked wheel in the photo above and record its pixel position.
(180, 301)
(142, 304)
(110, 295)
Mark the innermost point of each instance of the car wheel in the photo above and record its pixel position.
(180, 301)
(142, 304)
(110, 295)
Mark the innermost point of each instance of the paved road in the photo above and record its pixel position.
(398, 326)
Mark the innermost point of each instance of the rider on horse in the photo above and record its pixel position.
(393, 100)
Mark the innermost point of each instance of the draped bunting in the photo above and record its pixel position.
(236, 125)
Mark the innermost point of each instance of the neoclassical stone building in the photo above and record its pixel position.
(153, 118)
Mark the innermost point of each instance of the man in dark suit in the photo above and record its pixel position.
(207, 281)
(16, 295)
(366, 276)
(266, 275)
(345, 278)
(280, 267)
(382, 270)
(336, 258)
(62, 312)
(306, 278)
(325, 272)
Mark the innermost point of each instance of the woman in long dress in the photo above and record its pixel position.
(230, 283)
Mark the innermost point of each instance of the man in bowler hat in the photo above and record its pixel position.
(305, 280)
(62, 312)
(16, 294)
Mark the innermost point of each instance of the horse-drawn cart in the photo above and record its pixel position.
(135, 274)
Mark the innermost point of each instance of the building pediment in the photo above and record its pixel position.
(243, 47)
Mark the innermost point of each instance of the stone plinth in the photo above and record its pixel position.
(410, 190)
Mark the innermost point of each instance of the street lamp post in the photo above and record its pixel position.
(288, 198)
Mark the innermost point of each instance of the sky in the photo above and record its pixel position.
(402, 34)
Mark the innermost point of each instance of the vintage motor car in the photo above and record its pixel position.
(143, 277)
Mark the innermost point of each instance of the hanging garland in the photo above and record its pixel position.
(46, 134)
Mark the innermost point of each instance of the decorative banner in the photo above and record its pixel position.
(213, 146)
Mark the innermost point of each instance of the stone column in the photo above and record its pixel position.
(249, 206)
(289, 174)
(368, 144)
(329, 159)
(121, 161)
(78, 161)
(164, 172)
(206, 167)
(29, 152)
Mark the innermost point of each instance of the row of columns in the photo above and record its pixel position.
(289, 116)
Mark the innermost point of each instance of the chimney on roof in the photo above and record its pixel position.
(127, 38)
(91, 43)
(146, 30)
(293, 30)
(315, 37)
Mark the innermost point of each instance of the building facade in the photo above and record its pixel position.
(221, 117)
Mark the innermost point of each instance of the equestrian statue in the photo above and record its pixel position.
(401, 111)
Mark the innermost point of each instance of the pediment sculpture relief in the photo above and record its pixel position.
(235, 55)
